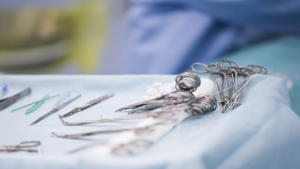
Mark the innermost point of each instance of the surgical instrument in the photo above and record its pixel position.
(138, 129)
(232, 69)
(126, 117)
(222, 99)
(34, 103)
(87, 105)
(202, 104)
(55, 109)
(186, 83)
(153, 114)
(23, 146)
(4, 103)
(233, 73)
(97, 132)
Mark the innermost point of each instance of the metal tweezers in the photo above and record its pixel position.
(4, 103)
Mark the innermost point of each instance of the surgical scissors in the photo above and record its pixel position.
(23, 146)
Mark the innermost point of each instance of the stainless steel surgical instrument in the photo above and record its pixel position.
(23, 146)
(186, 83)
(4, 103)
(222, 99)
(55, 109)
(226, 67)
(87, 105)
(126, 117)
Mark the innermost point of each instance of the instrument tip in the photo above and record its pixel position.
(34, 122)
(53, 131)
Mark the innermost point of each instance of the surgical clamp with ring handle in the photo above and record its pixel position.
(222, 100)
(234, 71)
(23, 146)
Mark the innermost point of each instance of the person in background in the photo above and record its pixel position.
(167, 36)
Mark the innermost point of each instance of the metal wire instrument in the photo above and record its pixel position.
(88, 104)
(55, 109)
(23, 146)
(4, 103)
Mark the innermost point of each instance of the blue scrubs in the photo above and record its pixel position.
(167, 36)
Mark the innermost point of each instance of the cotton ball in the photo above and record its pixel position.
(206, 87)
(168, 85)
(151, 91)
(157, 85)
(155, 96)
(165, 90)
(173, 86)
(146, 97)
(148, 87)
(158, 95)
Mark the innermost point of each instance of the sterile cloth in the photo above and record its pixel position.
(261, 133)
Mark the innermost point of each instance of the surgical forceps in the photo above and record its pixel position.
(230, 70)
(186, 83)
(163, 116)
(23, 146)
(198, 105)
(137, 130)
(126, 117)
(252, 66)
(87, 105)
(222, 100)
(4, 103)
(246, 72)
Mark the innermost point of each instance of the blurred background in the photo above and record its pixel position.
(149, 36)
(59, 37)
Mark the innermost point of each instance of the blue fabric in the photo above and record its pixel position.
(167, 36)
(262, 133)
